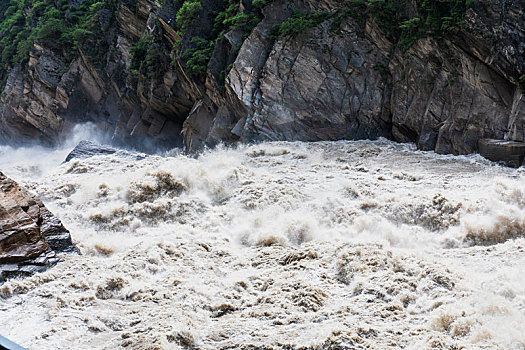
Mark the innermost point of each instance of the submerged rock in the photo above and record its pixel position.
(30, 235)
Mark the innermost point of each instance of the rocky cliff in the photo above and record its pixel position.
(197, 73)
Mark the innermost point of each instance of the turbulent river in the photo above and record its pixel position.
(340, 245)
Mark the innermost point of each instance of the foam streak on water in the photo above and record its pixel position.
(367, 245)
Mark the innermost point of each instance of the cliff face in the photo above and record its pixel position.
(344, 76)
(355, 83)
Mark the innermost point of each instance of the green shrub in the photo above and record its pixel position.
(231, 18)
(259, 4)
(55, 23)
(235, 21)
(139, 51)
(197, 57)
(187, 13)
(51, 30)
(299, 22)
(147, 55)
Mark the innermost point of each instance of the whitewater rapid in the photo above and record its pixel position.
(347, 245)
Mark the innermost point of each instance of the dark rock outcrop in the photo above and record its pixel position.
(30, 235)
(347, 80)
(510, 153)
(86, 149)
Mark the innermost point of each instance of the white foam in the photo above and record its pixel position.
(298, 244)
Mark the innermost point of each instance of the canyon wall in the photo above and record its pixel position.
(344, 77)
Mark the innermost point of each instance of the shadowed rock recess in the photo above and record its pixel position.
(197, 73)
(30, 235)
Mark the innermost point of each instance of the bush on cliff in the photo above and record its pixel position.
(431, 17)
(59, 25)
(187, 13)
(199, 50)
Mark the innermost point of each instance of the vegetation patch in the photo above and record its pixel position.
(58, 24)
(299, 22)
(394, 17)
(187, 13)
(148, 57)
(198, 56)
(231, 17)
(430, 18)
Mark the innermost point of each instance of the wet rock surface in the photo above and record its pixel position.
(86, 149)
(30, 235)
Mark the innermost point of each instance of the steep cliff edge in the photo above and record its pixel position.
(196, 73)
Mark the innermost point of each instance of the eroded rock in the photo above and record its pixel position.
(30, 235)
